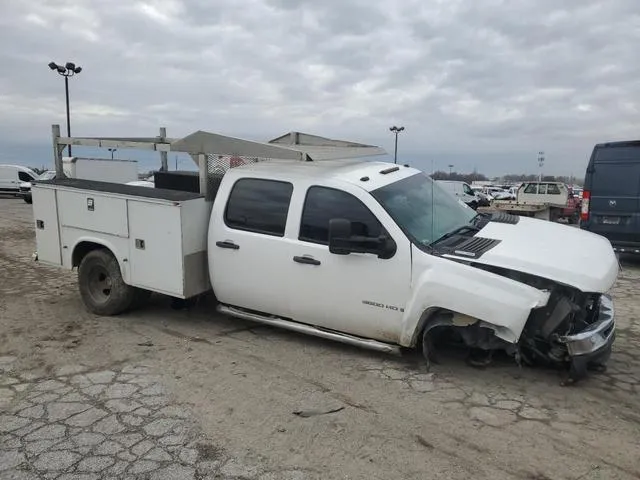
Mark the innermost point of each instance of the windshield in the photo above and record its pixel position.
(423, 209)
(48, 175)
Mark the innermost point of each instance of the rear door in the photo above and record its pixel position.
(249, 256)
(8, 179)
(614, 185)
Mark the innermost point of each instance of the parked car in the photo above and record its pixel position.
(11, 176)
(462, 190)
(506, 194)
(25, 187)
(483, 200)
(611, 197)
(367, 253)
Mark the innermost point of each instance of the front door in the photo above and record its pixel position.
(359, 294)
(248, 254)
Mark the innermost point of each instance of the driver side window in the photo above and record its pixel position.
(24, 177)
(323, 204)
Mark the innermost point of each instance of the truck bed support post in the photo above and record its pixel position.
(202, 173)
(57, 151)
(164, 161)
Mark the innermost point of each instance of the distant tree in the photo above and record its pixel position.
(459, 177)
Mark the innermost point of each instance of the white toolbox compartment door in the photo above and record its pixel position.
(93, 212)
(45, 213)
(156, 247)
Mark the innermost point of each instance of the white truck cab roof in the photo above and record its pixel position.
(367, 175)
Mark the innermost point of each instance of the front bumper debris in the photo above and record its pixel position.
(591, 348)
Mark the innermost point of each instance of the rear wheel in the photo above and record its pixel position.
(101, 285)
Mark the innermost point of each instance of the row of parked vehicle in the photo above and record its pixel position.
(609, 204)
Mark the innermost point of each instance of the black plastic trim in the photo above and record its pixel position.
(389, 170)
(228, 244)
(503, 217)
(306, 260)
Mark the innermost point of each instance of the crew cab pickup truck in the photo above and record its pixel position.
(368, 253)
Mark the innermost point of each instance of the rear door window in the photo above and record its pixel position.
(258, 205)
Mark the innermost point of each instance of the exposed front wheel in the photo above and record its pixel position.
(101, 285)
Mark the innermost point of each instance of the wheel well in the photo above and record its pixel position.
(427, 316)
(82, 249)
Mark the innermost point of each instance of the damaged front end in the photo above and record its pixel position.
(575, 329)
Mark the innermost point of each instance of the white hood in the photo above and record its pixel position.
(554, 251)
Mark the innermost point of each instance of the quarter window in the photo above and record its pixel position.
(553, 189)
(531, 188)
(258, 205)
(323, 204)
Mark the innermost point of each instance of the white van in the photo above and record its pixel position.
(11, 176)
(462, 190)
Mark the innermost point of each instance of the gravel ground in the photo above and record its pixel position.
(164, 394)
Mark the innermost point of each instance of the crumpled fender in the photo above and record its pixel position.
(439, 283)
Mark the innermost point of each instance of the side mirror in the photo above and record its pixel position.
(339, 236)
(343, 242)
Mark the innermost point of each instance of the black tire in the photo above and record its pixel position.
(101, 285)
(28, 199)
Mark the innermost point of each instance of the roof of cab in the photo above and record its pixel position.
(365, 174)
(22, 168)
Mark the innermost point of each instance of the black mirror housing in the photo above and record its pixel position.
(343, 242)
(339, 236)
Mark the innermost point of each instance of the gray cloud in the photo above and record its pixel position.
(481, 84)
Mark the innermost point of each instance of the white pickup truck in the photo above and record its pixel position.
(367, 253)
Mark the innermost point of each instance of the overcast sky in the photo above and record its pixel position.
(482, 83)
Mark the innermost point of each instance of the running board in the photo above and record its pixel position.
(309, 330)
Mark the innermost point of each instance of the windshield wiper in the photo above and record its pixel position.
(457, 231)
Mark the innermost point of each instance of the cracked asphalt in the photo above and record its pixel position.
(187, 394)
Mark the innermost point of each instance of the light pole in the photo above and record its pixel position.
(396, 130)
(540, 164)
(67, 70)
(450, 169)
(112, 150)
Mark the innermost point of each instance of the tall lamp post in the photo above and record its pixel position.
(396, 130)
(67, 70)
(540, 164)
(450, 169)
(112, 150)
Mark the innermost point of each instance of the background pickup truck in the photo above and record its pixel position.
(545, 200)
(367, 253)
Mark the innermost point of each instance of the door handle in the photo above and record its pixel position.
(228, 244)
(306, 260)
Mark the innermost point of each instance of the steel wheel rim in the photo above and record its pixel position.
(100, 284)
